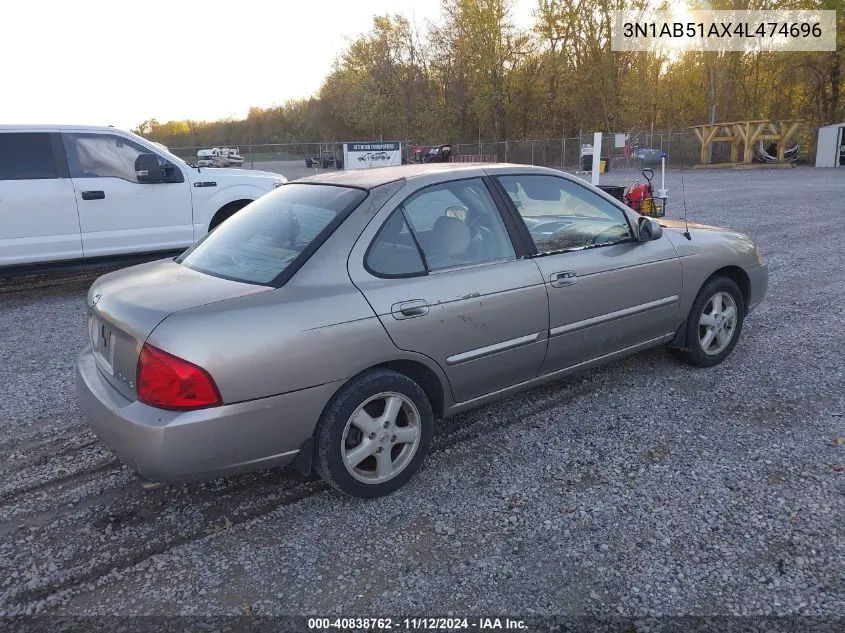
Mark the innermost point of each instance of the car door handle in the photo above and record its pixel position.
(93, 195)
(567, 278)
(409, 309)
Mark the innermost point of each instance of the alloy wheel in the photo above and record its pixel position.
(381, 437)
(717, 325)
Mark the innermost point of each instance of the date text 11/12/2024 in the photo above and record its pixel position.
(416, 624)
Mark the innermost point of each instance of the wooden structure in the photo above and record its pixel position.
(748, 133)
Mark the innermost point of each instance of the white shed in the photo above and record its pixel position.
(830, 149)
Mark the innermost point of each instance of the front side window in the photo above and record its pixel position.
(458, 224)
(102, 156)
(562, 215)
(273, 235)
(26, 156)
(109, 156)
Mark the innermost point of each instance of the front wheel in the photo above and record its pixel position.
(374, 434)
(714, 323)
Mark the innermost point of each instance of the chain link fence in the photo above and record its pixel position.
(256, 154)
(681, 149)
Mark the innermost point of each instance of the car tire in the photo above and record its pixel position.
(359, 438)
(714, 324)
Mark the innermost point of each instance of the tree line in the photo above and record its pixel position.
(474, 75)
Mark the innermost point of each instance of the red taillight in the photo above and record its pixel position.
(168, 382)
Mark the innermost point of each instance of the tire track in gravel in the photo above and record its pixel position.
(253, 498)
(21, 456)
(8, 495)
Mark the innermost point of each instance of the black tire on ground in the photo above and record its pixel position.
(329, 434)
(309, 163)
(693, 352)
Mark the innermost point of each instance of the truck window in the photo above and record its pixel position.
(26, 156)
(102, 156)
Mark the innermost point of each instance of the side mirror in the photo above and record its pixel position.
(148, 168)
(648, 229)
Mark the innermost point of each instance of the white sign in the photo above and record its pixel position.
(596, 158)
(377, 154)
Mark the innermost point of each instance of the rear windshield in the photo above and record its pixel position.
(266, 241)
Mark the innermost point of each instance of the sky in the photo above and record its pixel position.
(116, 62)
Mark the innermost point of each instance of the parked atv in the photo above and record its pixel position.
(438, 154)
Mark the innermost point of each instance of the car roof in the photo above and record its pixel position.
(374, 177)
(52, 127)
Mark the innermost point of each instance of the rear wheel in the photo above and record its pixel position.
(374, 434)
(714, 323)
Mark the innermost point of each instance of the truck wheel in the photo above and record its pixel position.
(226, 212)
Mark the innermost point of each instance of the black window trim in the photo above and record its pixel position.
(520, 236)
(300, 260)
(521, 223)
(511, 227)
(59, 155)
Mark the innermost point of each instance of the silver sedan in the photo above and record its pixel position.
(330, 322)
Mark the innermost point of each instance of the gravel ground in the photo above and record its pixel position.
(641, 488)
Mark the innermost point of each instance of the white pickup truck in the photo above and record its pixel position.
(80, 193)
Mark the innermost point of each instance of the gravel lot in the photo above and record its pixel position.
(642, 488)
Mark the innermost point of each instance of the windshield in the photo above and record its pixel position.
(269, 239)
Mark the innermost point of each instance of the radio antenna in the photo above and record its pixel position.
(684, 197)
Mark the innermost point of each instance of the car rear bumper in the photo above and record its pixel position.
(758, 278)
(179, 446)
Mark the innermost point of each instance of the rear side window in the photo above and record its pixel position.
(26, 156)
(269, 239)
(394, 252)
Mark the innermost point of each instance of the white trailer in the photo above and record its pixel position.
(830, 149)
(220, 157)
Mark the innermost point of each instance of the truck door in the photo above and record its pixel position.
(117, 213)
(38, 216)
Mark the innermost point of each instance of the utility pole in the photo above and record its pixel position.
(712, 102)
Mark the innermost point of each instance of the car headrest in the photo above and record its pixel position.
(449, 236)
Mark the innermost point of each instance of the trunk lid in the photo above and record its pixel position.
(125, 306)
